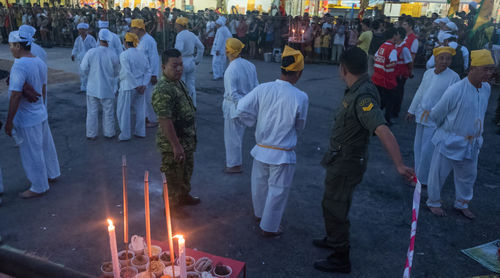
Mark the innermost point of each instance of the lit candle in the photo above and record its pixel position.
(146, 204)
(125, 203)
(169, 222)
(114, 251)
(182, 255)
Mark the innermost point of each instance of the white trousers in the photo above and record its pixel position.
(50, 153)
(270, 189)
(219, 65)
(189, 77)
(108, 116)
(126, 99)
(233, 139)
(423, 149)
(464, 174)
(150, 112)
(83, 79)
(33, 158)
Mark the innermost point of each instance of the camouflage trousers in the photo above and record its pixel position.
(178, 174)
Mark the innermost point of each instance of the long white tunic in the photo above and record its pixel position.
(134, 69)
(221, 36)
(148, 46)
(81, 46)
(39, 52)
(186, 42)
(239, 79)
(429, 92)
(102, 66)
(459, 116)
(280, 110)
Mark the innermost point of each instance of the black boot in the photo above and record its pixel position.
(338, 261)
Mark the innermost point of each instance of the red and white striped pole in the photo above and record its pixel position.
(414, 219)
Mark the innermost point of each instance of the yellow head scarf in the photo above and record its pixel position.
(131, 37)
(138, 23)
(298, 65)
(234, 47)
(481, 58)
(443, 49)
(182, 21)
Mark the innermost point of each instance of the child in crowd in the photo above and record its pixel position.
(317, 43)
(325, 44)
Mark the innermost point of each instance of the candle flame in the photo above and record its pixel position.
(180, 237)
(110, 225)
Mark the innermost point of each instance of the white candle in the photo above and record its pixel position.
(182, 255)
(114, 251)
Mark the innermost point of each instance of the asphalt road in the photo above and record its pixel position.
(67, 225)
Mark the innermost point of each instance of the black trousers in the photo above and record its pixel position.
(5, 36)
(400, 94)
(388, 100)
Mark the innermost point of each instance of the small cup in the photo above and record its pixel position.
(157, 267)
(124, 261)
(165, 258)
(193, 274)
(228, 269)
(136, 252)
(145, 274)
(130, 270)
(107, 269)
(140, 267)
(189, 263)
(155, 250)
(168, 271)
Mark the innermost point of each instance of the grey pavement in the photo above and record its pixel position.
(67, 225)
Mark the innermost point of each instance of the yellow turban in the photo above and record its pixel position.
(182, 21)
(298, 65)
(131, 37)
(443, 49)
(234, 47)
(138, 23)
(481, 58)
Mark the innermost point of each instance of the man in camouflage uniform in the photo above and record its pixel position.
(359, 118)
(176, 137)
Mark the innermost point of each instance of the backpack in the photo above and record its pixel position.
(457, 62)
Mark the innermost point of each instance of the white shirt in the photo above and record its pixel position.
(31, 70)
(326, 25)
(429, 92)
(465, 53)
(239, 79)
(115, 44)
(220, 40)
(460, 113)
(102, 66)
(280, 110)
(39, 52)
(134, 69)
(186, 42)
(82, 46)
(414, 45)
(148, 46)
(210, 29)
(405, 54)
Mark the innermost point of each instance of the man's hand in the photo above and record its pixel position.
(29, 93)
(141, 89)
(154, 80)
(178, 153)
(73, 58)
(406, 172)
(8, 128)
(410, 118)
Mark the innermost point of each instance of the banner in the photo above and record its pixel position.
(484, 14)
(454, 5)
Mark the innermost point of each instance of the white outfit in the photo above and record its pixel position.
(148, 46)
(210, 29)
(115, 44)
(428, 94)
(186, 42)
(239, 79)
(134, 72)
(459, 117)
(39, 52)
(80, 48)
(219, 61)
(431, 63)
(102, 66)
(29, 118)
(280, 110)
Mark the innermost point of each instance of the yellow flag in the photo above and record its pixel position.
(484, 14)
(454, 5)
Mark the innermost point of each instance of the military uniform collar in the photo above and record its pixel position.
(362, 79)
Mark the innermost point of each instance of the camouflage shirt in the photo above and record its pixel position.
(171, 100)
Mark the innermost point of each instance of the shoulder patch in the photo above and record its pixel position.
(365, 101)
(345, 104)
(368, 108)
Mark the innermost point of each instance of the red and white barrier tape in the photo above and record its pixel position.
(414, 219)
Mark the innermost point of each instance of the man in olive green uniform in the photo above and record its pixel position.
(176, 138)
(359, 118)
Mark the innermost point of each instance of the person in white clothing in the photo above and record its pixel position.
(459, 118)
(459, 64)
(36, 50)
(135, 74)
(280, 110)
(83, 43)
(102, 66)
(433, 85)
(189, 45)
(239, 79)
(148, 46)
(25, 119)
(219, 48)
(115, 43)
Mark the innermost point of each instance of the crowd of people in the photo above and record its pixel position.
(375, 61)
